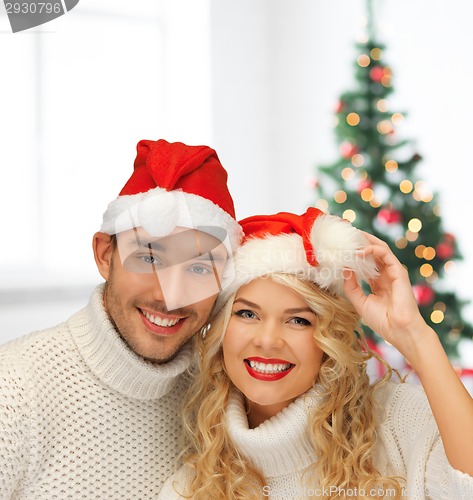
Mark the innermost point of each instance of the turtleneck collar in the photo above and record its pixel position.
(114, 363)
(281, 444)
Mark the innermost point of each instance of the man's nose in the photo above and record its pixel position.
(170, 287)
(181, 285)
(158, 294)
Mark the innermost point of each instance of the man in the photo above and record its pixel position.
(90, 409)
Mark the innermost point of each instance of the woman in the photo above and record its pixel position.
(283, 407)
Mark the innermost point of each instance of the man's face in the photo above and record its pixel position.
(160, 292)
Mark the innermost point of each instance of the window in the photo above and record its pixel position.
(76, 96)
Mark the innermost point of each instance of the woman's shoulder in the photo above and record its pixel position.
(400, 394)
(403, 407)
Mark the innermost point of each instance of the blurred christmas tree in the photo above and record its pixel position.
(373, 184)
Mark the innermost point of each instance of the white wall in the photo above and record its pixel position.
(258, 80)
(292, 60)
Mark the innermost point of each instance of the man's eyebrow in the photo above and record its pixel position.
(218, 256)
(153, 244)
(212, 256)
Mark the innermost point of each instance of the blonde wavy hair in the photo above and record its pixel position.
(342, 429)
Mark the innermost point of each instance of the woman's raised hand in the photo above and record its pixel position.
(390, 309)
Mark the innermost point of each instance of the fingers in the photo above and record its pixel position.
(391, 271)
(373, 239)
(382, 254)
(353, 290)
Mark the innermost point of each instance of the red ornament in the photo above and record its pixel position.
(339, 107)
(365, 184)
(389, 216)
(348, 149)
(376, 73)
(449, 238)
(445, 250)
(424, 294)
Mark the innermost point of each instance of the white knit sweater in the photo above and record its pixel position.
(409, 446)
(83, 417)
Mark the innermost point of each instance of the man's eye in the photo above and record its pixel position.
(245, 314)
(150, 259)
(199, 269)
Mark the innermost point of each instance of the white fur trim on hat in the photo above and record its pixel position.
(159, 211)
(335, 243)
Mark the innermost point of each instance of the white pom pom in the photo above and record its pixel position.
(335, 242)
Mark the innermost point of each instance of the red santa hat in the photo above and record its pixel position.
(313, 246)
(174, 185)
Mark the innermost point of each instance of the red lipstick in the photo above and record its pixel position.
(268, 377)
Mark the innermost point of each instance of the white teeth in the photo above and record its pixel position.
(268, 367)
(160, 321)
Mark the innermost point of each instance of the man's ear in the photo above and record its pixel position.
(103, 253)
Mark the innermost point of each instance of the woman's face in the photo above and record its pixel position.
(269, 349)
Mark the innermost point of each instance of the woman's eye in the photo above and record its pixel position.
(245, 314)
(300, 321)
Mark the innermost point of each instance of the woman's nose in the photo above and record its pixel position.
(269, 335)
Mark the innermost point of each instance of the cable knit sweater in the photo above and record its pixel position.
(409, 445)
(83, 417)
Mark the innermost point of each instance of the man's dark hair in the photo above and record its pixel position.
(113, 241)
